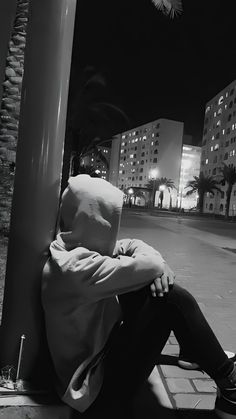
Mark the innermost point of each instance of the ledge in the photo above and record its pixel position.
(22, 407)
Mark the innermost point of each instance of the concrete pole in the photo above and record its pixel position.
(37, 181)
(7, 16)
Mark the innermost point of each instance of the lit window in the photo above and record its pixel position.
(133, 133)
(212, 148)
(123, 137)
(206, 161)
(223, 131)
(227, 94)
(208, 109)
(123, 143)
(214, 114)
(219, 111)
(216, 147)
(226, 106)
(144, 137)
(213, 137)
(218, 123)
(152, 143)
(220, 100)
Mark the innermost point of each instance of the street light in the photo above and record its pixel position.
(153, 176)
(153, 173)
(130, 192)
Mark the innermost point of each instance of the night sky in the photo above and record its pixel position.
(157, 67)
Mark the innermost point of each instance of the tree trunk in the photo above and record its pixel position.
(201, 202)
(161, 199)
(228, 196)
(153, 197)
(170, 206)
(10, 106)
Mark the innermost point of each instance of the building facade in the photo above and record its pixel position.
(219, 146)
(138, 153)
(190, 167)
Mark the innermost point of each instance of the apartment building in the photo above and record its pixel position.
(219, 145)
(155, 147)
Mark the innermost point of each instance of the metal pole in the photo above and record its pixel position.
(37, 180)
(7, 15)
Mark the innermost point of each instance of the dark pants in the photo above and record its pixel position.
(138, 343)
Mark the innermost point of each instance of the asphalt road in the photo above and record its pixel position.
(195, 249)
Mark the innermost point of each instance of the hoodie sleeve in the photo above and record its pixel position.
(136, 265)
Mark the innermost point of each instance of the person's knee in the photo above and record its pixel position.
(179, 295)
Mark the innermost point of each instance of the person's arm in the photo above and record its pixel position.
(96, 277)
(160, 284)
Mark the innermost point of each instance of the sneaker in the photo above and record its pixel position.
(225, 406)
(187, 364)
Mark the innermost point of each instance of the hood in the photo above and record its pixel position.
(90, 214)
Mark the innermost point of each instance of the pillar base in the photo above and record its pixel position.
(21, 407)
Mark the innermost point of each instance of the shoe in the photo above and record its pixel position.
(186, 364)
(225, 406)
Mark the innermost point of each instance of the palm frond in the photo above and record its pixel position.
(169, 7)
(116, 109)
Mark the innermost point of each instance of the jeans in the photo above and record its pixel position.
(139, 341)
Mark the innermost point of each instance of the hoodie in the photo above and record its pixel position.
(86, 271)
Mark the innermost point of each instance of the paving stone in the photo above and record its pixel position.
(173, 340)
(171, 350)
(179, 385)
(194, 401)
(205, 386)
(171, 371)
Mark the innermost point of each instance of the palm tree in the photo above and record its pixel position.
(138, 194)
(168, 184)
(88, 119)
(229, 177)
(202, 184)
(169, 7)
(154, 185)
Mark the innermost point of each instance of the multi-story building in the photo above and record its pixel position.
(138, 153)
(190, 167)
(219, 145)
(100, 166)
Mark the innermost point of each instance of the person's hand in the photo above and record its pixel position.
(162, 284)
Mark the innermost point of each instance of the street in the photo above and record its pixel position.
(201, 264)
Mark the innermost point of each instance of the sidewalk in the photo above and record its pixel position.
(186, 389)
(173, 392)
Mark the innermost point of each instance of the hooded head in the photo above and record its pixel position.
(90, 214)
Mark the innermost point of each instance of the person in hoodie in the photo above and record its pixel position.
(110, 306)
